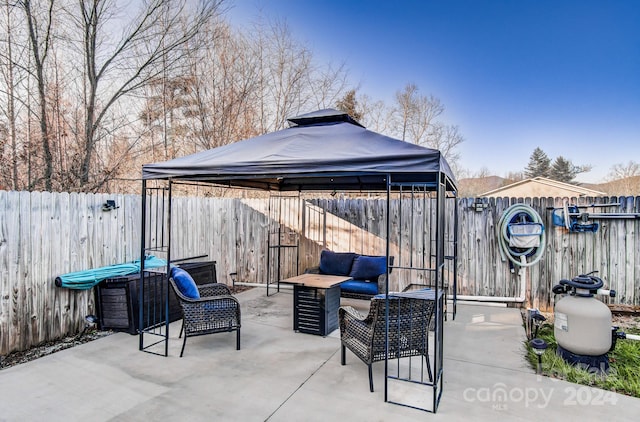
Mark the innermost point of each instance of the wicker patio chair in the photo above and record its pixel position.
(216, 311)
(409, 322)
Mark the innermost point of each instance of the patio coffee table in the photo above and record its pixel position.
(316, 299)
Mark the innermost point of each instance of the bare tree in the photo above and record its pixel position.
(483, 172)
(40, 45)
(224, 92)
(60, 120)
(376, 115)
(423, 127)
(407, 107)
(623, 171)
(170, 78)
(9, 142)
(241, 86)
(153, 41)
(418, 114)
(446, 139)
(285, 68)
(235, 90)
(476, 183)
(255, 82)
(624, 178)
(416, 118)
(515, 176)
(329, 84)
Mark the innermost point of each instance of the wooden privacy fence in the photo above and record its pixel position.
(43, 235)
(613, 251)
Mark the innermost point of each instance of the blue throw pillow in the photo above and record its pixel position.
(336, 263)
(185, 283)
(368, 267)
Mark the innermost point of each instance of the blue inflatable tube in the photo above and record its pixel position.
(86, 279)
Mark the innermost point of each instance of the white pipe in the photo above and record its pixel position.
(604, 292)
(479, 303)
(520, 299)
(632, 337)
(509, 299)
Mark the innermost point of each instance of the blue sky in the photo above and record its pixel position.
(513, 75)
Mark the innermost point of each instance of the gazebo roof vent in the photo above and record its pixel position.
(328, 115)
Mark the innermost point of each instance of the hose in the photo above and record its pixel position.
(513, 254)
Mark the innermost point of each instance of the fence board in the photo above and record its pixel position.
(7, 267)
(630, 248)
(636, 264)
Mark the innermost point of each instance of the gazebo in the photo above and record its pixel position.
(328, 151)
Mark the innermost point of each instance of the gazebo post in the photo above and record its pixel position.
(153, 316)
(411, 381)
(386, 285)
(142, 256)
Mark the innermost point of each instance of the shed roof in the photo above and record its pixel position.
(541, 187)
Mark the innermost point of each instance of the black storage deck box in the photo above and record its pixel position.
(202, 272)
(119, 305)
(119, 302)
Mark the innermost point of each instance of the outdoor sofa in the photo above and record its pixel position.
(368, 272)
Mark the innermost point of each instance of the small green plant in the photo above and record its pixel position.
(624, 361)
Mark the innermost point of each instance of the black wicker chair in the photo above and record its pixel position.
(216, 311)
(409, 322)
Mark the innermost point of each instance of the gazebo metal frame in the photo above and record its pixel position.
(435, 184)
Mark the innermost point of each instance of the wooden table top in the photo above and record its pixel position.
(321, 281)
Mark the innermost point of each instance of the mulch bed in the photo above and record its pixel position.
(239, 289)
(50, 347)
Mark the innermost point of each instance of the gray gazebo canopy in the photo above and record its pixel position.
(325, 150)
(322, 150)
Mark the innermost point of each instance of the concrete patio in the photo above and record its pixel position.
(281, 375)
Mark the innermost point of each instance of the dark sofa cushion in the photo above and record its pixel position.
(368, 267)
(336, 263)
(360, 287)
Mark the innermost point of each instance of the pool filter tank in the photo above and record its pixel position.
(582, 325)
